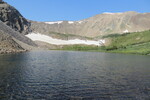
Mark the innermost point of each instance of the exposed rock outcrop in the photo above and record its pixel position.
(8, 45)
(11, 17)
(12, 41)
(13, 26)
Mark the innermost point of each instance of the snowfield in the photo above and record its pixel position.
(112, 13)
(80, 22)
(57, 22)
(126, 31)
(70, 22)
(50, 40)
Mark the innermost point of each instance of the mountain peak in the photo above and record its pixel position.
(1, 1)
(128, 12)
(11, 17)
(110, 13)
(101, 24)
(131, 12)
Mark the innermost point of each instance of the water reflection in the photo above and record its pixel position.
(74, 75)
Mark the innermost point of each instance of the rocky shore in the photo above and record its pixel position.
(10, 51)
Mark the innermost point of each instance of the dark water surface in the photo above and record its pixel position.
(68, 75)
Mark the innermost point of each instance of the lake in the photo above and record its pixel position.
(72, 75)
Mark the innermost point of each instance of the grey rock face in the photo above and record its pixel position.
(12, 24)
(10, 40)
(1, 1)
(11, 17)
(8, 45)
(6, 29)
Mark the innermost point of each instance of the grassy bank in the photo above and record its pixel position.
(134, 43)
(81, 48)
(142, 49)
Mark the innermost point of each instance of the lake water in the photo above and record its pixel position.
(69, 75)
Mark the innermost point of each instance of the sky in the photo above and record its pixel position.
(74, 10)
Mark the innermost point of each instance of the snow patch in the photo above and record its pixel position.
(50, 40)
(70, 22)
(102, 42)
(57, 22)
(108, 13)
(80, 22)
(112, 13)
(126, 31)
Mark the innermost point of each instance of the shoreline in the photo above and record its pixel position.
(12, 51)
(2, 52)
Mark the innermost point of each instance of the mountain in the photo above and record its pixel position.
(12, 29)
(8, 44)
(11, 17)
(15, 31)
(12, 41)
(99, 25)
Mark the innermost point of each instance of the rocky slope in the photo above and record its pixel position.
(99, 25)
(13, 41)
(7, 43)
(13, 26)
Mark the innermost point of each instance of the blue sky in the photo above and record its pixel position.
(54, 10)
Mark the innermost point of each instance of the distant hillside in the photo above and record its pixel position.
(135, 43)
(130, 43)
(99, 25)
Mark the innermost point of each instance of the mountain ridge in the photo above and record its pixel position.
(13, 26)
(12, 17)
(98, 25)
